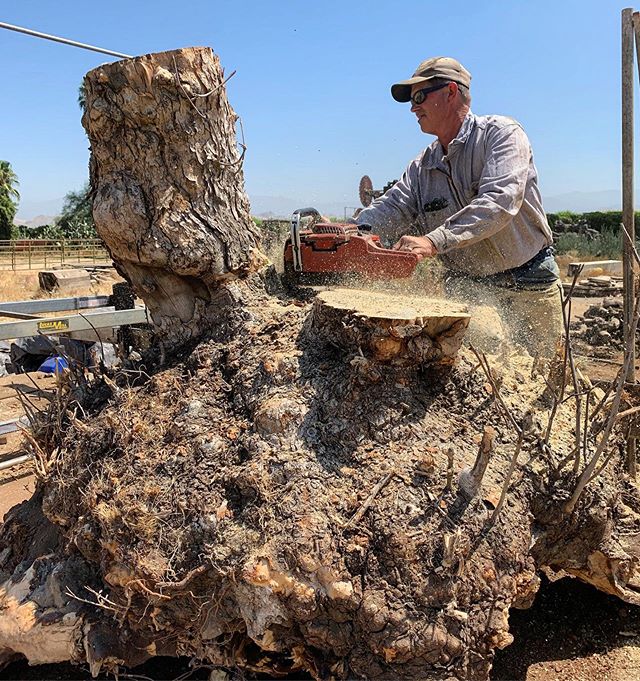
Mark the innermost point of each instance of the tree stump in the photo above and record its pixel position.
(167, 185)
(399, 330)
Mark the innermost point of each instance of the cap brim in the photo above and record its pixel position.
(401, 91)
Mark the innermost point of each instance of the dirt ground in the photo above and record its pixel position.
(34, 390)
(23, 285)
(572, 633)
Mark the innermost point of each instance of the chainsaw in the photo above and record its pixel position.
(329, 250)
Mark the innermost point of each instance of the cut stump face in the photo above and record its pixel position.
(395, 329)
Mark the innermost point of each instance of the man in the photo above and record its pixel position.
(472, 199)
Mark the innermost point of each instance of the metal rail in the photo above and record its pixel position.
(16, 461)
(30, 254)
(64, 41)
(13, 425)
(78, 322)
(54, 304)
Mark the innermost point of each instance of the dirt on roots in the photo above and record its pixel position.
(277, 504)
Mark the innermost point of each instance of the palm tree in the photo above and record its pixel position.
(82, 96)
(8, 181)
(9, 196)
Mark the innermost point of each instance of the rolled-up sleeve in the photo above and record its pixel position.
(395, 211)
(501, 192)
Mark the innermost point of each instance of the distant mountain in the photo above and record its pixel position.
(38, 221)
(36, 213)
(283, 206)
(584, 202)
(30, 210)
(577, 202)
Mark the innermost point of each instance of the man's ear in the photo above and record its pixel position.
(453, 90)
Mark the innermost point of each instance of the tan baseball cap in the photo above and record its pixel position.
(435, 67)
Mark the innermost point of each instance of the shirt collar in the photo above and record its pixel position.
(435, 153)
(465, 130)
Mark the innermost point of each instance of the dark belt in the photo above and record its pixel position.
(508, 278)
(541, 255)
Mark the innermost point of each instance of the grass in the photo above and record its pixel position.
(19, 285)
(607, 245)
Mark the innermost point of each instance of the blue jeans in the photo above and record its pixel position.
(538, 273)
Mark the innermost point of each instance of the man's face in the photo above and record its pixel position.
(433, 111)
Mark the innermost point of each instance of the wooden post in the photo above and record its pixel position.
(629, 24)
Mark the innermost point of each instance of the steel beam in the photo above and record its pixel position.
(13, 425)
(54, 304)
(78, 322)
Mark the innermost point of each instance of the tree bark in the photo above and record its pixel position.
(167, 183)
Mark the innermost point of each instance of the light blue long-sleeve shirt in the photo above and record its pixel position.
(479, 204)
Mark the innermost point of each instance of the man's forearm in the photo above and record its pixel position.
(394, 213)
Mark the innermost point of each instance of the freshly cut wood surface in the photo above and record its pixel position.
(376, 304)
(387, 327)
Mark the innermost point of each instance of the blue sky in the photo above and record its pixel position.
(312, 84)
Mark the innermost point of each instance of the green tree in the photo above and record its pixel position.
(9, 197)
(76, 219)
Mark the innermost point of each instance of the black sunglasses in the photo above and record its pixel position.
(420, 95)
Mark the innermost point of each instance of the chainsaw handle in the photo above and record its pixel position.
(295, 234)
(364, 227)
(305, 212)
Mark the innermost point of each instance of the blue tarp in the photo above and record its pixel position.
(52, 365)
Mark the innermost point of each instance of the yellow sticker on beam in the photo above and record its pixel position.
(54, 325)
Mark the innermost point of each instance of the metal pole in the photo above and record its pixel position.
(627, 175)
(628, 217)
(64, 41)
(14, 462)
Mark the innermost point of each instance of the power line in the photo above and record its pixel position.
(64, 41)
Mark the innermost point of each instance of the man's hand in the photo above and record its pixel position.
(420, 245)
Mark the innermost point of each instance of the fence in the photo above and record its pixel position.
(27, 254)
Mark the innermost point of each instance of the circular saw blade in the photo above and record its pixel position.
(365, 191)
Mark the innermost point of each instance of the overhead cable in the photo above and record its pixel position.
(64, 41)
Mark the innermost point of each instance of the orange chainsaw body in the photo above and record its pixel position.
(334, 248)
